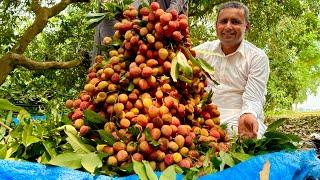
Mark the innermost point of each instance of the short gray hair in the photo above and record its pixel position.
(237, 5)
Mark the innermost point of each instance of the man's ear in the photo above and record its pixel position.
(248, 27)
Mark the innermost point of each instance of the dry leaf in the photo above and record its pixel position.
(264, 173)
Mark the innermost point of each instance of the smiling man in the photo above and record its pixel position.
(241, 69)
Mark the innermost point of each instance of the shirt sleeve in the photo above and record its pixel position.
(178, 5)
(256, 87)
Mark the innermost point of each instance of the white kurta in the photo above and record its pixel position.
(242, 78)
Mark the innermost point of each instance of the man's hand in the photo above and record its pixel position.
(248, 126)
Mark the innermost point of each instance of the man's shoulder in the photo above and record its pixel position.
(207, 45)
(254, 50)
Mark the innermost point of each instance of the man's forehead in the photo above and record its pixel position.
(231, 12)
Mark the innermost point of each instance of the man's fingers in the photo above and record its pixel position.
(255, 128)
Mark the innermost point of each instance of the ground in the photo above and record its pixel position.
(301, 124)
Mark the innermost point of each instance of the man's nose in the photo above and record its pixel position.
(229, 24)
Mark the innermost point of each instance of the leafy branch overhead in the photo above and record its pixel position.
(111, 10)
(15, 58)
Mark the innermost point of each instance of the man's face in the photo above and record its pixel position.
(231, 26)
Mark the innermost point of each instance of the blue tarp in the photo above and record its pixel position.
(284, 165)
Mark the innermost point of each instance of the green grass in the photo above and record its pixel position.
(292, 114)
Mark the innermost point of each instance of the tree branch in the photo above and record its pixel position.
(40, 22)
(35, 6)
(21, 60)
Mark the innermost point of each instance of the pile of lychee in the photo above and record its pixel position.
(147, 115)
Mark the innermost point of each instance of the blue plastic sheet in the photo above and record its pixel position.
(40, 118)
(284, 165)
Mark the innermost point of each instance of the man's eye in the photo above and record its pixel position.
(234, 21)
(224, 21)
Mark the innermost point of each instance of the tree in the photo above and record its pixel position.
(15, 56)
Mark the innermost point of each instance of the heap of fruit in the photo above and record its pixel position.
(145, 112)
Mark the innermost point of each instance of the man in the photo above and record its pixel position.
(105, 28)
(241, 69)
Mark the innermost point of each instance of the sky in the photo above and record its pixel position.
(311, 104)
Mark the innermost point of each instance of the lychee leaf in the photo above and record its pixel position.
(93, 117)
(91, 162)
(240, 156)
(93, 22)
(274, 125)
(150, 173)
(226, 158)
(27, 138)
(169, 173)
(153, 142)
(208, 70)
(6, 105)
(107, 137)
(116, 43)
(184, 65)
(184, 79)
(130, 87)
(49, 148)
(77, 145)
(206, 99)
(135, 131)
(140, 170)
(95, 15)
(174, 71)
(69, 160)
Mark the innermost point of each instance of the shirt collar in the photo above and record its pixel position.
(217, 49)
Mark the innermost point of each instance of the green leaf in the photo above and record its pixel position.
(27, 138)
(7, 122)
(44, 159)
(107, 137)
(91, 162)
(240, 156)
(226, 158)
(206, 99)
(77, 145)
(69, 160)
(23, 114)
(184, 79)
(183, 64)
(273, 126)
(6, 105)
(282, 136)
(93, 22)
(169, 173)
(116, 43)
(174, 71)
(93, 117)
(71, 129)
(206, 66)
(209, 70)
(49, 146)
(130, 87)
(140, 170)
(153, 142)
(3, 151)
(95, 15)
(150, 173)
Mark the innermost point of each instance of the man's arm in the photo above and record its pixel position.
(254, 97)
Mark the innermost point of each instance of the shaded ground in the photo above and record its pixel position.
(301, 124)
